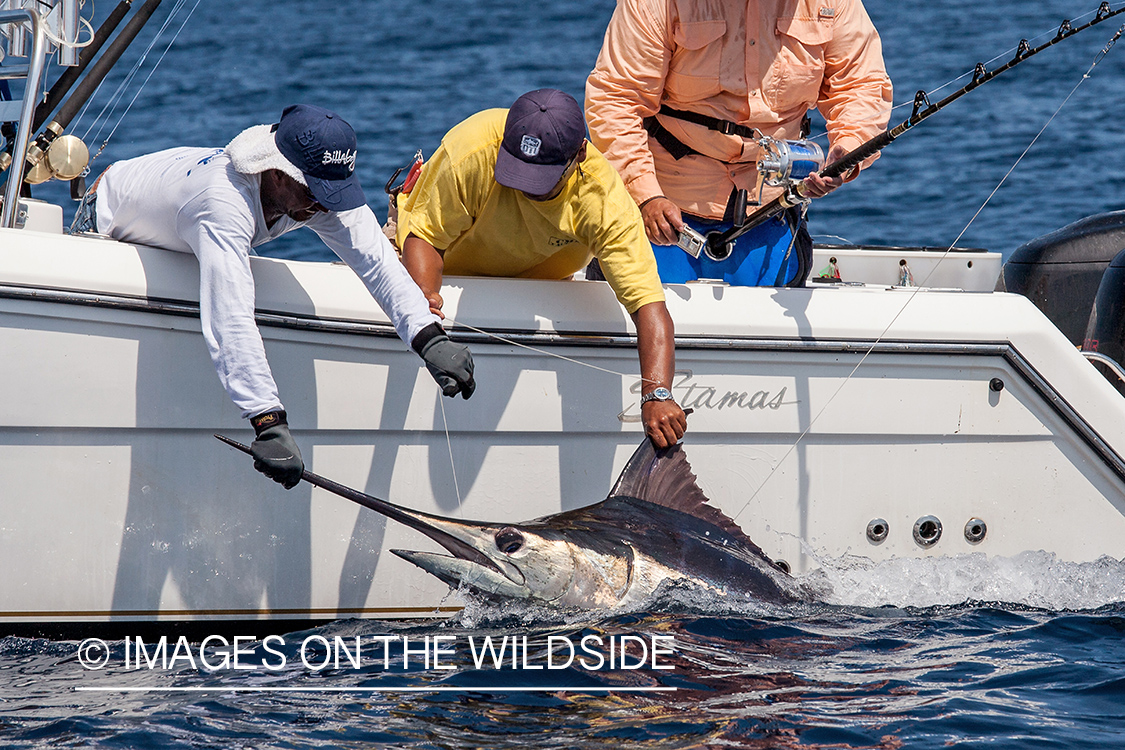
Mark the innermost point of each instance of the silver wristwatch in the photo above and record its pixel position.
(658, 394)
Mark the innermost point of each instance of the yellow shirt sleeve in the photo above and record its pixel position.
(452, 187)
(621, 247)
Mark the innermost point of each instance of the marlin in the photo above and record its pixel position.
(655, 529)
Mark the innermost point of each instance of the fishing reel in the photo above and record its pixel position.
(785, 163)
(52, 156)
(781, 164)
(56, 156)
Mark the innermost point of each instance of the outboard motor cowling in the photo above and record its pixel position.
(1105, 331)
(1061, 272)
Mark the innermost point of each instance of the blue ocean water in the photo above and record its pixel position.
(962, 652)
(841, 676)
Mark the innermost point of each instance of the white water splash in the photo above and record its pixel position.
(1038, 580)
(1033, 579)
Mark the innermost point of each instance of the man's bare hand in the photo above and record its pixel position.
(662, 221)
(664, 421)
(815, 186)
(436, 303)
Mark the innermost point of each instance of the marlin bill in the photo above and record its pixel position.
(656, 529)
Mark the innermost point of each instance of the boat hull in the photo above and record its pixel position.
(815, 412)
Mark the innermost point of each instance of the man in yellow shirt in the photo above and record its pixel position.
(521, 193)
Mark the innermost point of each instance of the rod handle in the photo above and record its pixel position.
(856, 156)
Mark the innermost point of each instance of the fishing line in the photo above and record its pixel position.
(75, 44)
(548, 353)
(120, 91)
(845, 240)
(151, 71)
(1097, 59)
(504, 340)
(452, 465)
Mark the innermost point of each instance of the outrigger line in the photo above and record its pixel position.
(923, 109)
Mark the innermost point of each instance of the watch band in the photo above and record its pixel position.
(657, 394)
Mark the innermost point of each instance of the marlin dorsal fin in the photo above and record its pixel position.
(664, 477)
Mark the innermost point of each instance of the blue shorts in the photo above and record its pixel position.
(767, 255)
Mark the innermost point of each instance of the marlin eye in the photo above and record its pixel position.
(508, 540)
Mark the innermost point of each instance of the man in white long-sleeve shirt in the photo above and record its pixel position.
(220, 203)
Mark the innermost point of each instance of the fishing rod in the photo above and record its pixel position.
(52, 154)
(788, 162)
(872, 347)
(71, 74)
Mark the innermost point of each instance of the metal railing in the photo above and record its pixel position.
(34, 83)
(1112, 364)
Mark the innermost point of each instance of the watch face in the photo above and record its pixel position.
(659, 394)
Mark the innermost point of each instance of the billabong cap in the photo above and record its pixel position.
(323, 146)
(542, 134)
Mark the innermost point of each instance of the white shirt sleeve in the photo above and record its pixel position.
(219, 227)
(358, 239)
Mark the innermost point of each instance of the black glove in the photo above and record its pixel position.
(450, 363)
(275, 451)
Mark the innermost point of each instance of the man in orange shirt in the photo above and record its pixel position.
(683, 89)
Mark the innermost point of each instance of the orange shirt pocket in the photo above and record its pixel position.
(696, 66)
(793, 78)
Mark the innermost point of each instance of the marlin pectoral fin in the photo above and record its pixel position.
(455, 571)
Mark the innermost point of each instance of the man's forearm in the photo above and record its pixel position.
(656, 346)
(424, 263)
(356, 237)
(664, 421)
(625, 87)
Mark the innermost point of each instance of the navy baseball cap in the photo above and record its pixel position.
(542, 134)
(323, 146)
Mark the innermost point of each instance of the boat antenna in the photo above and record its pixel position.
(793, 194)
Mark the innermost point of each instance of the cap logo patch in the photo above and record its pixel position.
(306, 138)
(339, 157)
(529, 145)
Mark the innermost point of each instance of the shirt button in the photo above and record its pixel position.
(752, 42)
